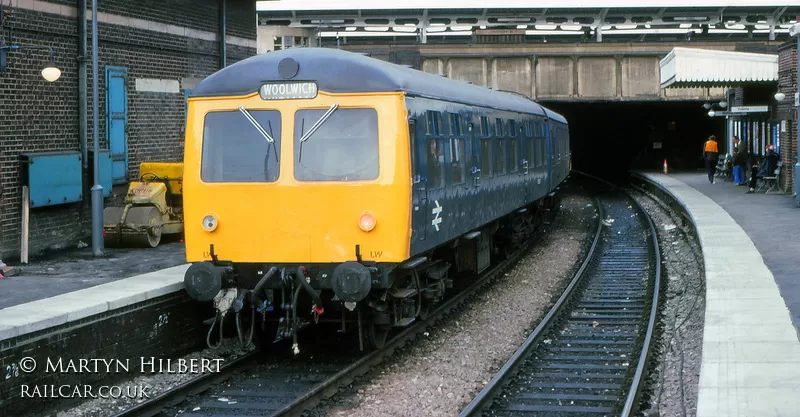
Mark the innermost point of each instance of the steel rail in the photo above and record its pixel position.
(155, 405)
(500, 380)
(634, 393)
(326, 388)
(362, 365)
(510, 367)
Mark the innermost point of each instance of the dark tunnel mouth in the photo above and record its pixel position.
(608, 139)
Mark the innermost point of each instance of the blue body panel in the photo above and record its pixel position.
(52, 177)
(446, 211)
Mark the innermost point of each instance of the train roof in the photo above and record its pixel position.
(338, 71)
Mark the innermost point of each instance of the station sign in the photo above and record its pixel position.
(749, 109)
(288, 90)
(499, 32)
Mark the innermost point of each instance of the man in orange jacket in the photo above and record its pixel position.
(711, 154)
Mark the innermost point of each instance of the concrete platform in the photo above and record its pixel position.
(77, 269)
(72, 306)
(750, 243)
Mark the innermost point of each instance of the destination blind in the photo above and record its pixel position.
(292, 90)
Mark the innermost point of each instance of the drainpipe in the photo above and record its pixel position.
(82, 128)
(97, 189)
(223, 52)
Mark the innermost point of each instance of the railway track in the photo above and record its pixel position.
(588, 354)
(288, 393)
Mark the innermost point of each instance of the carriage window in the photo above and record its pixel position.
(435, 161)
(457, 166)
(343, 148)
(500, 157)
(499, 128)
(486, 157)
(434, 126)
(512, 128)
(484, 126)
(512, 155)
(527, 152)
(235, 151)
(455, 124)
(543, 151)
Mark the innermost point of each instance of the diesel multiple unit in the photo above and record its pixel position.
(326, 187)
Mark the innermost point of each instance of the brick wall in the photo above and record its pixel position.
(39, 116)
(169, 326)
(787, 83)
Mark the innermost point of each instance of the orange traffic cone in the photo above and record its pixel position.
(665, 166)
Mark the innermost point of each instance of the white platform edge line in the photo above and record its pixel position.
(36, 315)
(707, 401)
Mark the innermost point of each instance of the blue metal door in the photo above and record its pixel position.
(117, 122)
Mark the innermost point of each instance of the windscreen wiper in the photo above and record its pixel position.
(319, 123)
(256, 124)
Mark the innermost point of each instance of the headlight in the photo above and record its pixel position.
(209, 223)
(367, 222)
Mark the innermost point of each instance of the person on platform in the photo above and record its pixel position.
(711, 155)
(739, 161)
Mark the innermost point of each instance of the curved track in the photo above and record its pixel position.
(289, 393)
(587, 356)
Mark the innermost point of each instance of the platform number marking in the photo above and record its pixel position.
(436, 212)
(12, 371)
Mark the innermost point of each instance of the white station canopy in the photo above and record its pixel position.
(689, 67)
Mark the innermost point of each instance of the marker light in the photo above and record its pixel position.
(367, 222)
(209, 223)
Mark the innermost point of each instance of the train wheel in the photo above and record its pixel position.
(425, 310)
(377, 334)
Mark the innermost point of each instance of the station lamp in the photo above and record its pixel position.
(50, 72)
(779, 96)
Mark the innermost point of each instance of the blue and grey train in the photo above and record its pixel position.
(363, 189)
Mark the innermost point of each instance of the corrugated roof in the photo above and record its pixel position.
(704, 67)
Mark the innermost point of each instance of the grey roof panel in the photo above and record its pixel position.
(337, 71)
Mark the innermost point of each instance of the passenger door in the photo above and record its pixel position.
(523, 159)
(419, 192)
(550, 146)
(117, 122)
(474, 174)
